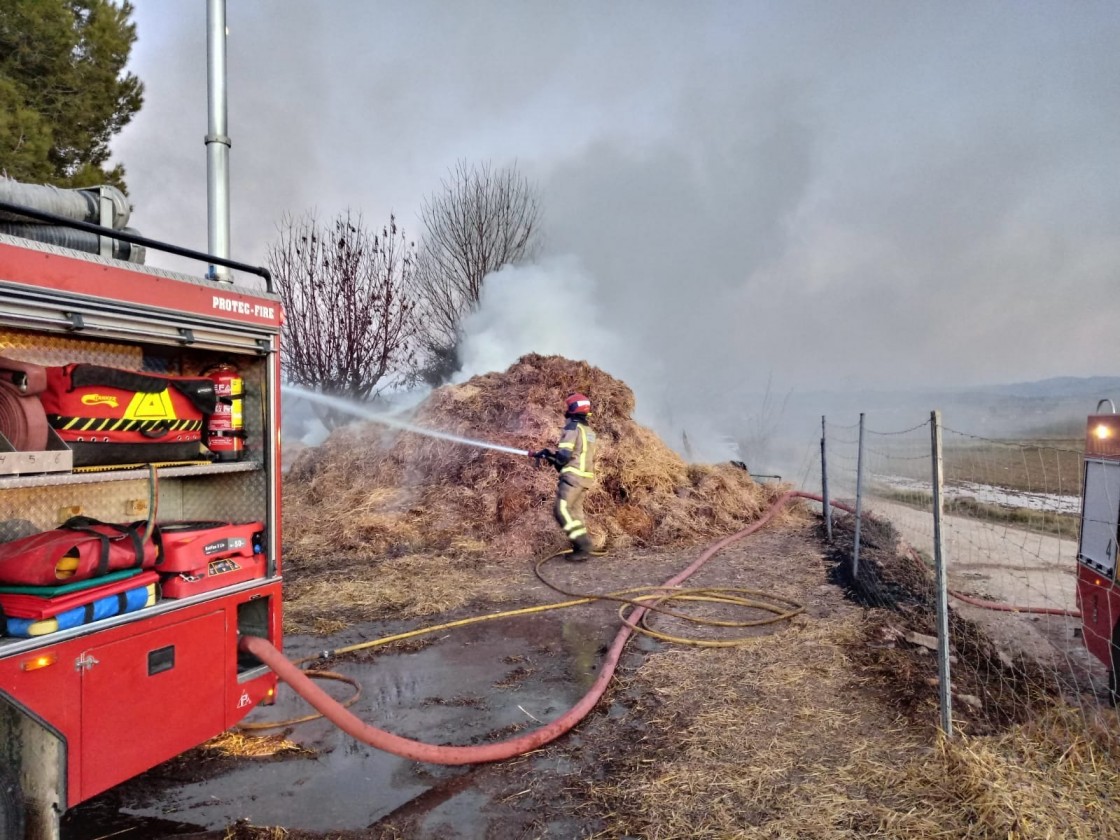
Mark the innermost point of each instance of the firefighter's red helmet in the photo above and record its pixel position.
(577, 403)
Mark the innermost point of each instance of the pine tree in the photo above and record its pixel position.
(63, 89)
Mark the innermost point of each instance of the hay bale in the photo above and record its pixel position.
(375, 492)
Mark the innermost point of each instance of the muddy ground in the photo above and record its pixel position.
(493, 680)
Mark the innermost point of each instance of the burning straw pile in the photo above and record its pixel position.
(370, 493)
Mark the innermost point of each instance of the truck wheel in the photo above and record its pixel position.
(11, 806)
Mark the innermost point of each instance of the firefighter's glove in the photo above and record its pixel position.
(547, 455)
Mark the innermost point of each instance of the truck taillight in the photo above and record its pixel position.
(41, 661)
(1102, 438)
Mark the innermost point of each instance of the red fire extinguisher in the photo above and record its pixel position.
(225, 430)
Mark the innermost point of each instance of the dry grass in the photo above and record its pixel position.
(1007, 687)
(1057, 776)
(783, 740)
(413, 586)
(754, 742)
(1049, 465)
(237, 745)
(243, 831)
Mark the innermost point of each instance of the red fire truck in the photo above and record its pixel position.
(88, 705)
(1098, 590)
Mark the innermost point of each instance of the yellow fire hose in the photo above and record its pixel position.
(646, 599)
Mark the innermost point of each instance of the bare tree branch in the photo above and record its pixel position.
(482, 219)
(350, 326)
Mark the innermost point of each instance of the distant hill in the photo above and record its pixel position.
(1089, 387)
(1045, 408)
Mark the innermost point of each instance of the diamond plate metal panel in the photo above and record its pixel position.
(41, 349)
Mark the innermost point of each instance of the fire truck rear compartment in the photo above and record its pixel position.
(86, 707)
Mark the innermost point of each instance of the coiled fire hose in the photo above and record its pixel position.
(358, 729)
(22, 419)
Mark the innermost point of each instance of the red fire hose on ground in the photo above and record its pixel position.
(415, 750)
(358, 729)
(1001, 607)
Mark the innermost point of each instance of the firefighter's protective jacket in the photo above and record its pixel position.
(576, 452)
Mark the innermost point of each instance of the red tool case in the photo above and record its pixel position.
(199, 557)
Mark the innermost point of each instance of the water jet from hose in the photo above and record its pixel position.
(359, 410)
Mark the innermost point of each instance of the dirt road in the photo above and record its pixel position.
(996, 562)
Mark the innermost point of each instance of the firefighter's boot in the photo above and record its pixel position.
(581, 549)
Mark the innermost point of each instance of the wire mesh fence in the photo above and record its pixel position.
(1007, 535)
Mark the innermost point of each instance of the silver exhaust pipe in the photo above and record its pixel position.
(217, 140)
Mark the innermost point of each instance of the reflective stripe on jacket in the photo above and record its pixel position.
(579, 442)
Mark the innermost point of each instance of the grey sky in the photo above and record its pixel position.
(816, 194)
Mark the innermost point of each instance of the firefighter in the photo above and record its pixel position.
(574, 459)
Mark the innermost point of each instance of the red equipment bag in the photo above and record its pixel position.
(113, 416)
(79, 549)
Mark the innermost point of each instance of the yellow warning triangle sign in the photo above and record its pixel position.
(150, 407)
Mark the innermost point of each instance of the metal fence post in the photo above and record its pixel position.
(945, 688)
(859, 501)
(824, 486)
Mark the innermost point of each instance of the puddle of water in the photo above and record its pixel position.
(474, 685)
(448, 819)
